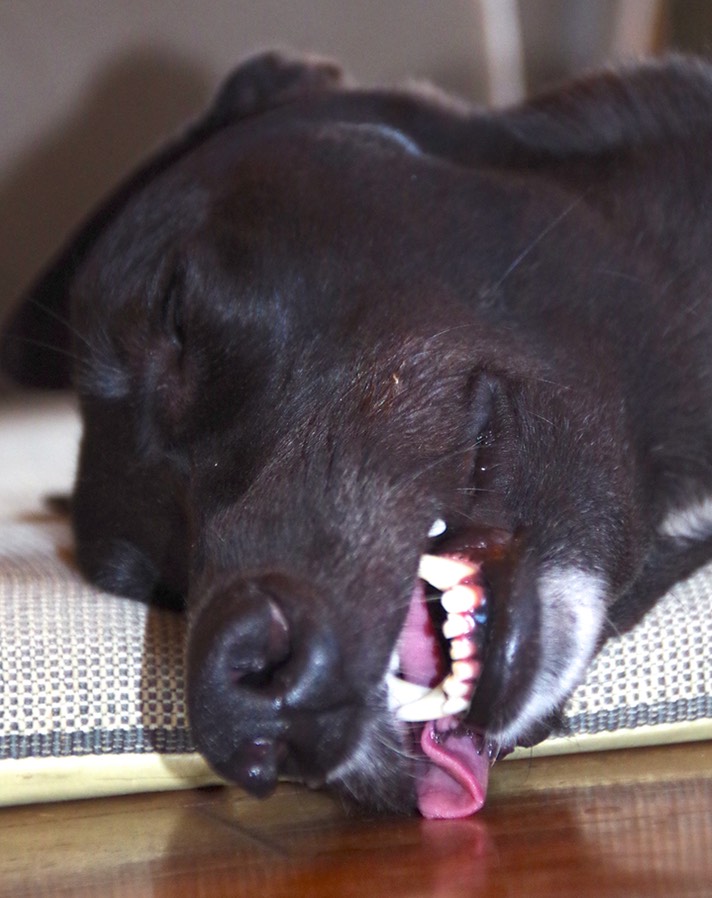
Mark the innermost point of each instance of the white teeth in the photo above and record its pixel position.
(459, 599)
(461, 649)
(457, 625)
(454, 706)
(413, 703)
(438, 528)
(443, 573)
(454, 687)
(466, 670)
(402, 692)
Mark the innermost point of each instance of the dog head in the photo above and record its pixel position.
(297, 382)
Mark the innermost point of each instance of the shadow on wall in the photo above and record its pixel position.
(137, 101)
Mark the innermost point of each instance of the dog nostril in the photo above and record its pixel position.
(257, 667)
(255, 765)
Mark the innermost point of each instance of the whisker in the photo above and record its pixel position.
(531, 246)
(62, 319)
(40, 344)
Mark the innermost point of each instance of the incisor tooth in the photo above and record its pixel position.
(466, 670)
(462, 648)
(458, 625)
(459, 599)
(443, 573)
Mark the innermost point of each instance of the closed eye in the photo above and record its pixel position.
(172, 317)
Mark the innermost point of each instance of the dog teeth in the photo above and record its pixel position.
(467, 670)
(412, 703)
(443, 573)
(402, 692)
(462, 648)
(460, 599)
(438, 528)
(464, 606)
(457, 625)
(454, 706)
(415, 704)
(454, 687)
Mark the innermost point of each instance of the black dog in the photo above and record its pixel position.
(330, 331)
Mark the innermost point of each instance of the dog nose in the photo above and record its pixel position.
(256, 764)
(256, 643)
(263, 684)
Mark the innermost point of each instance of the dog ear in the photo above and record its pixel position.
(270, 80)
(36, 340)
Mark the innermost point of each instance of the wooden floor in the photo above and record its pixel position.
(635, 823)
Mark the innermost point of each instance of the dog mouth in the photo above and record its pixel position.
(433, 678)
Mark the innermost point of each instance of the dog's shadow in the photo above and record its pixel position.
(135, 102)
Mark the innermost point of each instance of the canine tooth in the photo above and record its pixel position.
(459, 599)
(443, 573)
(466, 671)
(438, 528)
(416, 704)
(458, 625)
(401, 692)
(461, 649)
(455, 706)
(453, 687)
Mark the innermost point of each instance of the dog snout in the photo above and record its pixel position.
(266, 693)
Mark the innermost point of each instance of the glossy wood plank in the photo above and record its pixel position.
(634, 823)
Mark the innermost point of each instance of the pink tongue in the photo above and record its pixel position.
(455, 781)
(452, 781)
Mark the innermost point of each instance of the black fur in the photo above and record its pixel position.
(327, 316)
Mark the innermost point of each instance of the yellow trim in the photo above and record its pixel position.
(660, 734)
(33, 780)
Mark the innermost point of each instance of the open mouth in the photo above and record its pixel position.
(433, 678)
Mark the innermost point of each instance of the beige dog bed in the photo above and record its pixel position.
(91, 685)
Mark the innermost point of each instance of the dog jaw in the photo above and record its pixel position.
(572, 605)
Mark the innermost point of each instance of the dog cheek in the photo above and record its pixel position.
(571, 603)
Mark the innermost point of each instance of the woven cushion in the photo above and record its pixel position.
(91, 685)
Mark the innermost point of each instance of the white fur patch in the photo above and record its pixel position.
(693, 522)
(573, 609)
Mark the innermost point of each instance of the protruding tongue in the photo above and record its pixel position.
(454, 783)
(452, 778)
